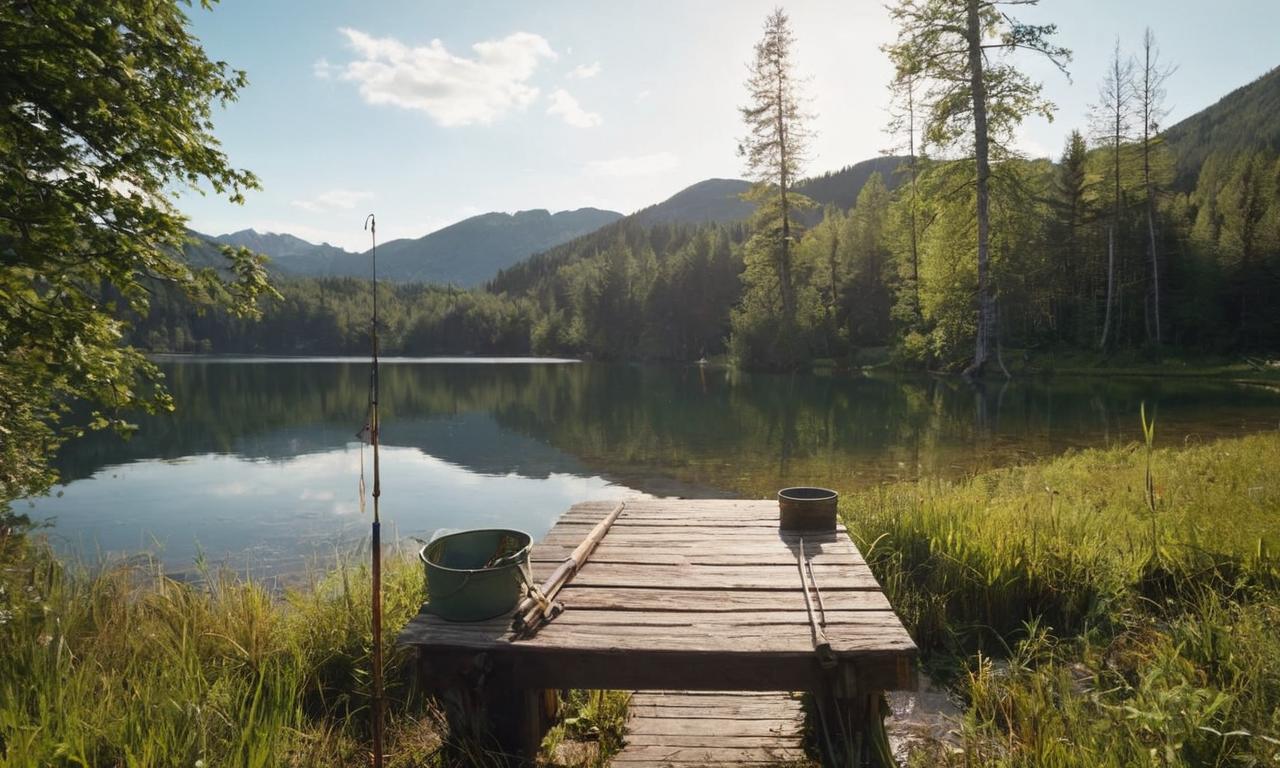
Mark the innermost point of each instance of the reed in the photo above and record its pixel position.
(1109, 607)
(120, 665)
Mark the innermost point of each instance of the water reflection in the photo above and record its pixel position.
(259, 461)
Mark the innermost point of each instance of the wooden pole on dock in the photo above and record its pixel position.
(375, 543)
(532, 611)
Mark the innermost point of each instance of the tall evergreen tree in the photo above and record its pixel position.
(973, 97)
(1150, 93)
(776, 141)
(1112, 123)
(1070, 211)
(904, 122)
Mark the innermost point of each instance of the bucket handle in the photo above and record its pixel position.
(422, 555)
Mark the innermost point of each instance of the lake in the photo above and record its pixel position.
(259, 466)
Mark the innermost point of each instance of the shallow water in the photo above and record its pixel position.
(259, 467)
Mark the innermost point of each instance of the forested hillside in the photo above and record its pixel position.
(883, 259)
(474, 250)
(1242, 122)
(721, 201)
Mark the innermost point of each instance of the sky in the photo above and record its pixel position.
(428, 112)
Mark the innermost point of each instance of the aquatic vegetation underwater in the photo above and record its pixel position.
(1109, 607)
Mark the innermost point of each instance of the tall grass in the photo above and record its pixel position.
(1110, 607)
(122, 666)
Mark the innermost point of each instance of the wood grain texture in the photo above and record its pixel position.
(720, 728)
(707, 589)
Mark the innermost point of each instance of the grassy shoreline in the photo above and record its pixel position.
(123, 665)
(1085, 623)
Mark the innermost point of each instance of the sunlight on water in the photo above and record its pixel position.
(259, 466)
(270, 515)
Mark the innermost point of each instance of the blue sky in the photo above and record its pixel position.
(429, 112)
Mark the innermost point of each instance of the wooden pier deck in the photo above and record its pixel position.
(680, 595)
(711, 728)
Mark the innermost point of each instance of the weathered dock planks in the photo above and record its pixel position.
(674, 728)
(695, 596)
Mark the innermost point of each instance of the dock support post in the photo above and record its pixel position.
(519, 717)
(483, 706)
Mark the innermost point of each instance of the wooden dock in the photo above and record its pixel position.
(679, 595)
(708, 728)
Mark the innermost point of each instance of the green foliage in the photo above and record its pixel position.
(1112, 607)
(107, 107)
(1240, 123)
(123, 666)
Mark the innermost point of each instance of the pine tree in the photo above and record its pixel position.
(1070, 211)
(1112, 122)
(973, 97)
(1151, 104)
(776, 141)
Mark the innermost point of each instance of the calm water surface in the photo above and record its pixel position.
(259, 467)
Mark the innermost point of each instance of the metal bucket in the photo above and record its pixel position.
(807, 509)
(476, 575)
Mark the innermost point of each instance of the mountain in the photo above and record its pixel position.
(465, 254)
(840, 188)
(474, 250)
(719, 201)
(714, 201)
(1245, 120)
(288, 254)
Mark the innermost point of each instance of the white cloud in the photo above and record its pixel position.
(637, 165)
(453, 90)
(643, 95)
(344, 199)
(322, 69)
(584, 71)
(567, 107)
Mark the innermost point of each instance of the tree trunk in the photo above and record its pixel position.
(1115, 213)
(1155, 263)
(982, 347)
(1111, 281)
(915, 247)
(832, 322)
(784, 263)
(1150, 93)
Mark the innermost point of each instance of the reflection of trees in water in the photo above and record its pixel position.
(732, 430)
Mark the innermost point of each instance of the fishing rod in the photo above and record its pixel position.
(374, 425)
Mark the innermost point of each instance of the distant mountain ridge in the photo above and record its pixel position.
(719, 201)
(475, 250)
(465, 254)
(714, 201)
(288, 253)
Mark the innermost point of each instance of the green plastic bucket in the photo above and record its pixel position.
(476, 575)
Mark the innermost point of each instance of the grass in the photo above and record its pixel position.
(122, 666)
(1107, 608)
(1075, 362)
